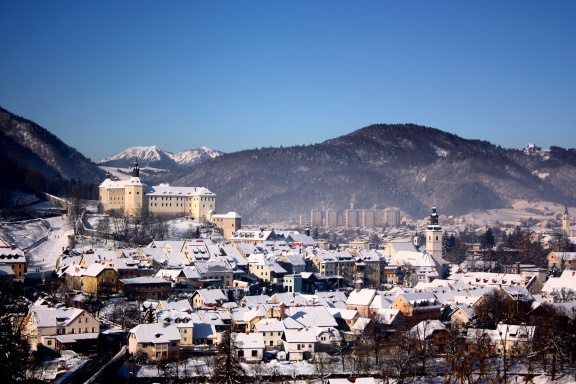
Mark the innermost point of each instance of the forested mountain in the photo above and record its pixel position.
(33, 159)
(403, 165)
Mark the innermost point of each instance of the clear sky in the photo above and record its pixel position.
(108, 75)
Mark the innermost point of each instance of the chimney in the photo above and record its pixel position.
(12, 246)
(282, 311)
(517, 267)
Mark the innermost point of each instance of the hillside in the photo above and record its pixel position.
(53, 152)
(34, 159)
(403, 165)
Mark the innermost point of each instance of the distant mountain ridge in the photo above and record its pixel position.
(400, 165)
(156, 157)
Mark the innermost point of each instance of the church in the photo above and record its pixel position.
(134, 198)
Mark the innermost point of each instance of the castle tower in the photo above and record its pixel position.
(434, 240)
(134, 194)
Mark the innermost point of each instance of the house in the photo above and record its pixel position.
(267, 269)
(515, 339)
(100, 279)
(417, 307)
(299, 344)
(250, 347)
(272, 331)
(159, 342)
(206, 298)
(7, 277)
(461, 315)
(560, 289)
(73, 276)
(14, 257)
(145, 287)
(214, 274)
(360, 300)
(182, 320)
(432, 332)
(227, 223)
(562, 260)
(60, 328)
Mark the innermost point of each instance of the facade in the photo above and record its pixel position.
(228, 223)
(15, 259)
(250, 347)
(134, 198)
(417, 307)
(57, 328)
(100, 279)
(157, 341)
(146, 287)
(366, 218)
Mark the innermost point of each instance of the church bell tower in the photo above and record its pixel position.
(434, 240)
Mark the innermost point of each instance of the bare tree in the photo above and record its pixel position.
(402, 355)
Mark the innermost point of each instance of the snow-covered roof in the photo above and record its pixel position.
(426, 329)
(211, 296)
(144, 280)
(175, 304)
(249, 340)
(270, 325)
(96, 269)
(52, 317)
(300, 335)
(229, 215)
(388, 315)
(167, 190)
(310, 316)
(156, 333)
(363, 297)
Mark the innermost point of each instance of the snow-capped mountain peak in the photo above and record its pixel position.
(156, 157)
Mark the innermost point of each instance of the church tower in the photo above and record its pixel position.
(134, 194)
(434, 240)
(566, 222)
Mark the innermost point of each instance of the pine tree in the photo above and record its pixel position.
(227, 367)
(13, 353)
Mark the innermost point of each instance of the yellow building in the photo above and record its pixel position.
(134, 198)
(228, 223)
(14, 257)
(100, 279)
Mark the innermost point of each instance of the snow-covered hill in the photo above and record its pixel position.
(158, 158)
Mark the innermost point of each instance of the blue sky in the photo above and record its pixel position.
(108, 75)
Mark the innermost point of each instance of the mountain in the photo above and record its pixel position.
(403, 165)
(155, 157)
(33, 156)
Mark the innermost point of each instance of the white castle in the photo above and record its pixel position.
(133, 198)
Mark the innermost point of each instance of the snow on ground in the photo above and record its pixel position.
(520, 210)
(24, 234)
(44, 256)
(51, 234)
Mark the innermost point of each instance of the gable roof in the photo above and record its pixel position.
(155, 333)
(363, 297)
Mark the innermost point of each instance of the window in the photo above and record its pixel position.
(49, 342)
(254, 353)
